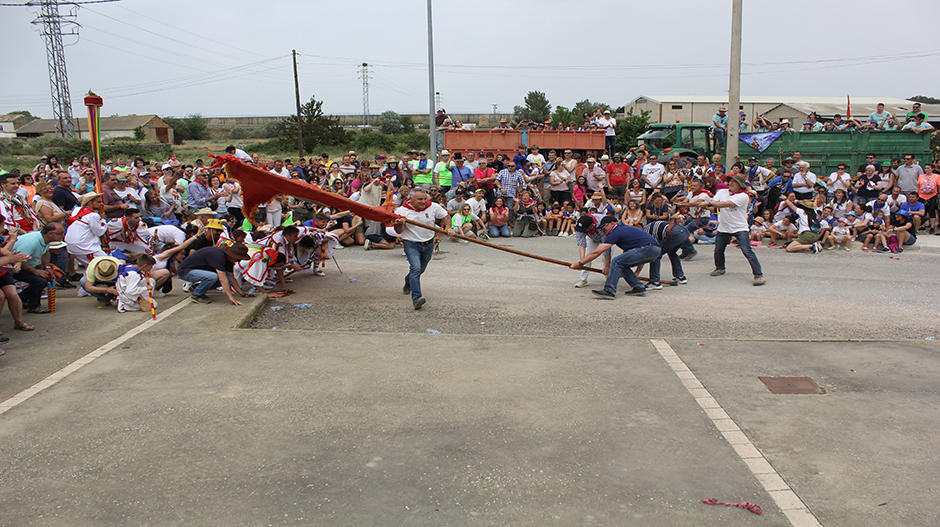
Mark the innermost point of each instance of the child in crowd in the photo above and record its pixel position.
(782, 229)
(569, 218)
(553, 221)
(134, 285)
(875, 228)
(840, 236)
(758, 230)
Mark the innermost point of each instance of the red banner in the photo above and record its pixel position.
(260, 186)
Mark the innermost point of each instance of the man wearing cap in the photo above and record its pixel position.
(671, 236)
(595, 175)
(589, 237)
(638, 248)
(443, 176)
(33, 271)
(211, 267)
(421, 170)
(85, 229)
(419, 242)
(731, 204)
(609, 125)
(720, 126)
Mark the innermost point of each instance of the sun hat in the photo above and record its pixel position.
(89, 197)
(215, 224)
(205, 211)
(237, 251)
(598, 195)
(103, 268)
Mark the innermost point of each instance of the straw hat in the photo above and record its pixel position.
(103, 269)
(89, 197)
(205, 211)
(598, 195)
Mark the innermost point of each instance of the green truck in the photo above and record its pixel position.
(822, 150)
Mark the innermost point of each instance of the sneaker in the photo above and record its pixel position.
(636, 291)
(65, 284)
(38, 310)
(829, 247)
(758, 280)
(688, 256)
(882, 249)
(74, 277)
(717, 272)
(82, 292)
(815, 247)
(772, 244)
(580, 283)
(368, 245)
(900, 249)
(418, 302)
(654, 285)
(461, 240)
(102, 305)
(187, 287)
(846, 248)
(605, 294)
(319, 272)
(338, 246)
(680, 280)
(865, 248)
(159, 294)
(201, 299)
(407, 289)
(484, 236)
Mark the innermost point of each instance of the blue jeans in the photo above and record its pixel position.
(722, 239)
(418, 254)
(670, 246)
(202, 280)
(496, 232)
(621, 266)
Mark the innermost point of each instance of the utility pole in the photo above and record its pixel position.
(438, 100)
(734, 87)
(431, 113)
(364, 75)
(300, 132)
(51, 30)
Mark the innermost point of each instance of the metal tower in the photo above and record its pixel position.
(51, 30)
(364, 75)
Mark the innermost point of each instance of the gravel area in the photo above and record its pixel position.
(475, 290)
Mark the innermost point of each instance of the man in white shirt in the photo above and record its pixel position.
(609, 125)
(239, 154)
(652, 173)
(419, 242)
(840, 178)
(478, 203)
(731, 204)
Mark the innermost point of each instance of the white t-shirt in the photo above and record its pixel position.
(836, 182)
(608, 124)
(652, 174)
(732, 219)
(478, 207)
(429, 216)
(798, 178)
(538, 159)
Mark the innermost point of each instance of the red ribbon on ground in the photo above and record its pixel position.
(752, 507)
(260, 186)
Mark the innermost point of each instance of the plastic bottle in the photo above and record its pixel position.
(277, 308)
(433, 331)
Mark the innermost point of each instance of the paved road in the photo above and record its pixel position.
(537, 405)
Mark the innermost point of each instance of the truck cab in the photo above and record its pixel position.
(689, 139)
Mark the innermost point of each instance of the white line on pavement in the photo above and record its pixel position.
(789, 503)
(73, 367)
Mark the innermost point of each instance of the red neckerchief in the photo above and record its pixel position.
(200, 183)
(738, 192)
(703, 191)
(408, 206)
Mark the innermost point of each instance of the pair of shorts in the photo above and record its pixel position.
(807, 238)
(7, 279)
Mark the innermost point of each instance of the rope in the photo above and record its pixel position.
(752, 507)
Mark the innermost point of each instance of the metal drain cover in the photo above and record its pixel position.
(788, 385)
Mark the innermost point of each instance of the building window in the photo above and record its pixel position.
(676, 106)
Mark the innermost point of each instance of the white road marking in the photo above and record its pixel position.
(787, 500)
(73, 367)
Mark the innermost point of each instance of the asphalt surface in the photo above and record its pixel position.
(538, 404)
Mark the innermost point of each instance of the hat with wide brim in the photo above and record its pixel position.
(103, 269)
(215, 224)
(236, 251)
(58, 245)
(741, 180)
(205, 211)
(598, 195)
(89, 197)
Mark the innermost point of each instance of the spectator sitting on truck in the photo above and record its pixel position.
(919, 125)
(915, 109)
(815, 125)
(837, 122)
(890, 124)
(742, 122)
(720, 127)
(880, 115)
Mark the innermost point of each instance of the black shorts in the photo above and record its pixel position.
(931, 206)
(7, 279)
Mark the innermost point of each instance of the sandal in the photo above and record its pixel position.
(23, 326)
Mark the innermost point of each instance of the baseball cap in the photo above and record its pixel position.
(605, 220)
(584, 223)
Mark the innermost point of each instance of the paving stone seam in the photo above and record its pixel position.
(796, 512)
(52, 379)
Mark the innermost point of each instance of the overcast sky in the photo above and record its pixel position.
(173, 57)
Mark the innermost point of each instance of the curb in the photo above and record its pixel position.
(248, 316)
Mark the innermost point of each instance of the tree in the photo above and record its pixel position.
(537, 107)
(318, 128)
(564, 116)
(587, 106)
(191, 127)
(629, 127)
(390, 123)
(923, 99)
(24, 113)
